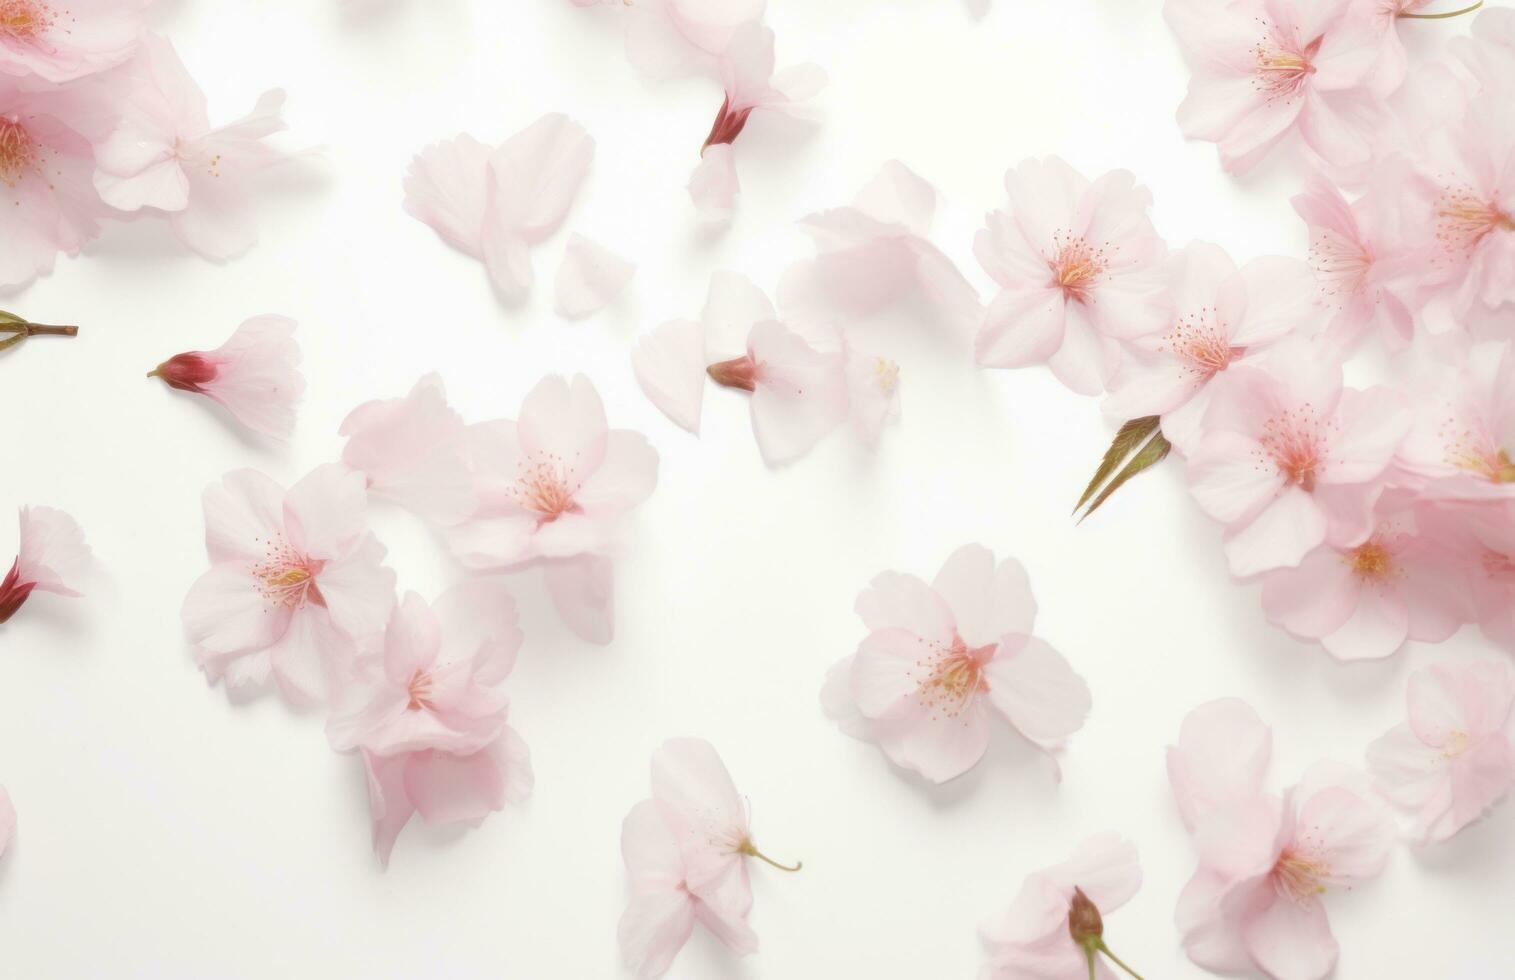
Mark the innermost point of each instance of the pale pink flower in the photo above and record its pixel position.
(414, 451)
(1358, 253)
(1383, 16)
(1264, 861)
(747, 72)
(47, 165)
(1288, 459)
(7, 821)
(1490, 532)
(164, 154)
(941, 660)
(687, 850)
(1406, 581)
(1033, 938)
(797, 385)
(255, 375)
(61, 41)
(873, 393)
(1080, 267)
(435, 684)
(445, 789)
(669, 363)
(52, 558)
(494, 204)
(590, 277)
(295, 583)
(553, 483)
(1453, 759)
(1221, 316)
(1463, 441)
(876, 252)
(663, 910)
(1265, 67)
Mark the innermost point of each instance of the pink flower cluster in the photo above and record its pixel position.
(298, 596)
(99, 119)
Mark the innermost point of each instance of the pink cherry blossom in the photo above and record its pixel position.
(445, 789)
(414, 451)
(941, 659)
(1288, 459)
(295, 584)
(46, 175)
(254, 375)
(1221, 316)
(590, 278)
(553, 483)
(59, 42)
(747, 72)
(165, 154)
(1265, 67)
(1080, 266)
(876, 252)
(494, 204)
(796, 382)
(53, 558)
(7, 821)
(1463, 439)
(1359, 256)
(1405, 581)
(435, 683)
(663, 909)
(669, 363)
(1264, 861)
(1034, 938)
(1490, 542)
(1453, 759)
(687, 850)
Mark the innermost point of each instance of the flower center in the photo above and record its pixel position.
(1203, 341)
(1076, 266)
(1498, 565)
(546, 488)
(1293, 441)
(1464, 218)
(952, 679)
(287, 578)
(18, 153)
(1281, 67)
(1456, 744)
(887, 374)
(420, 691)
(1341, 265)
(1298, 876)
(1371, 562)
(24, 18)
(1490, 463)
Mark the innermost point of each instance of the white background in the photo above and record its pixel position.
(168, 833)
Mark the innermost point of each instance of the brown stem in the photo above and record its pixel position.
(34, 329)
(1448, 14)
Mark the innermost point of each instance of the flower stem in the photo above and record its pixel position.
(33, 329)
(751, 850)
(1116, 960)
(1445, 16)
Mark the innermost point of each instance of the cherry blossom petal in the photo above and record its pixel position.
(1035, 688)
(414, 452)
(583, 592)
(590, 278)
(988, 601)
(713, 187)
(1291, 939)
(1221, 758)
(669, 364)
(53, 554)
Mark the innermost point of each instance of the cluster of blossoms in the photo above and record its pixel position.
(298, 597)
(99, 119)
(726, 39)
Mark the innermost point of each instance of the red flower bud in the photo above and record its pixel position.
(728, 125)
(187, 372)
(1084, 921)
(13, 592)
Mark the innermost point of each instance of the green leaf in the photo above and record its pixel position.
(1130, 436)
(1154, 452)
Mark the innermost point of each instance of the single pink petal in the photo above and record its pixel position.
(1372, 425)
(1022, 328)
(904, 601)
(939, 748)
(1287, 530)
(53, 554)
(1225, 479)
(669, 364)
(800, 396)
(388, 802)
(1035, 688)
(244, 513)
(307, 656)
(447, 188)
(1221, 758)
(1378, 626)
(653, 929)
(1346, 833)
(692, 784)
(1211, 910)
(583, 591)
(988, 600)
(1317, 598)
(590, 277)
(325, 512)
(536, 174)
(1481, 777)
(1291, 939)
(883, 673)
(414, 451)
(898, 195)
(225, 613)
(713, 187)
(625, 477)
(1415, 776)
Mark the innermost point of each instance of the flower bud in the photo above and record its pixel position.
(739, 372)
(187, 372)
(1084, 922)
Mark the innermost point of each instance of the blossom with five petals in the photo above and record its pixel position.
(60, 42)
(295, 584)
(1453, 759)
(941, 659)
